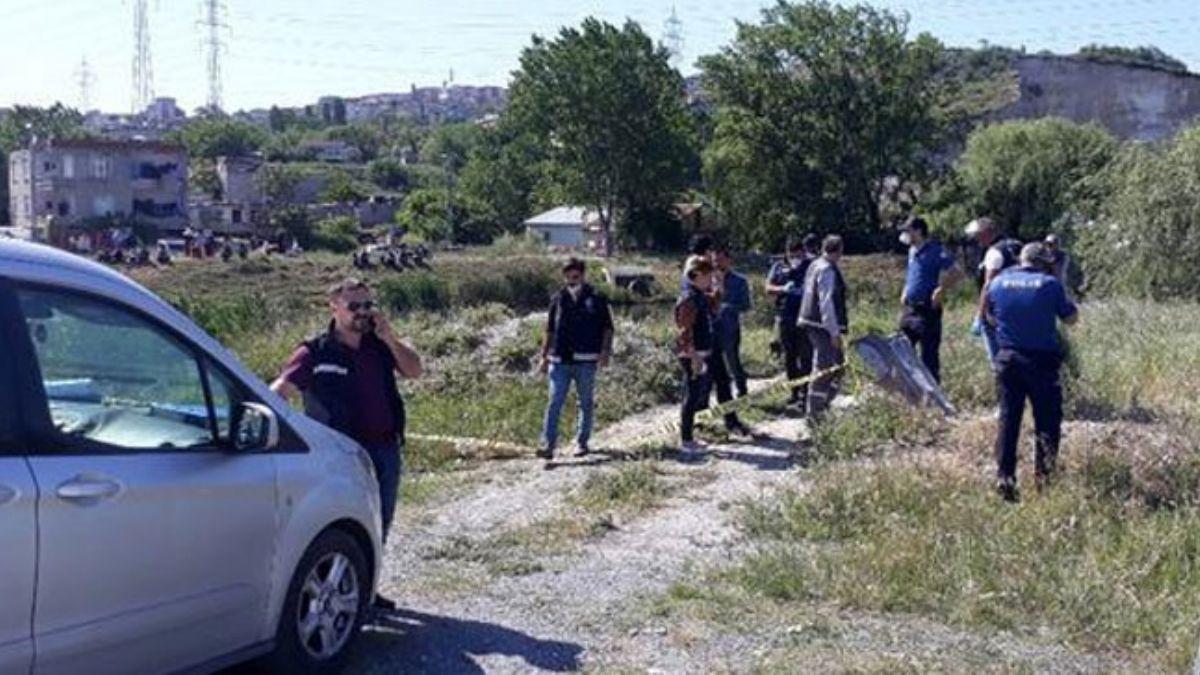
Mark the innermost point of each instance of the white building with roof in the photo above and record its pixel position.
(567, 227)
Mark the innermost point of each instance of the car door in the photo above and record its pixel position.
(18, 527)
(155, 537)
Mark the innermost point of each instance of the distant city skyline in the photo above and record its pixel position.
(292, 52)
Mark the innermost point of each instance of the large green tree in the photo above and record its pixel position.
(816, 106)
(1027, 174)
(214, 137)
(609, 110)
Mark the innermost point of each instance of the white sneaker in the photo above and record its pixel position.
(690, 450)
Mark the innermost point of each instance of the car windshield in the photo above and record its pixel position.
(111, 376)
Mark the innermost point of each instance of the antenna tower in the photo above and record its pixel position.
(85, 78)
(213, 45)
(673, 38)
(143, 74)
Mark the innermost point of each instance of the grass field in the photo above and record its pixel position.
(901, 518)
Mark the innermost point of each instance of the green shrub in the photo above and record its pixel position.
(1025, 173)
(1145, 238)
(338, 234)
(421, 291)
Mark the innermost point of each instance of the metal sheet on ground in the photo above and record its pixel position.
(895, 366)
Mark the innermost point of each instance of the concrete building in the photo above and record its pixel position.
(59, 186)
(567, 227)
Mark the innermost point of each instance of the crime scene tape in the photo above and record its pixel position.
(669, 428)
(775, 384)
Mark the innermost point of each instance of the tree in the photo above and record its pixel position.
(365, 137)
(24, 124)
(438, 214)
(278, 182)
(1027, 173)
(609, 110)
(388, 173)
(503, 173)
(343, 188)
(450, 145)
(816, 107)
(218, 136)
(1144, 236)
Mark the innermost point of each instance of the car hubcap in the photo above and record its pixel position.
(328, 606)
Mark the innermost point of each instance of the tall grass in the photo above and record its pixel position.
(1102, 572)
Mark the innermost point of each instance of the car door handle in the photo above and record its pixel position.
(86, 488)
(7, 494)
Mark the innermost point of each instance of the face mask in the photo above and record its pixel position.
(573, 287)
(906, 238)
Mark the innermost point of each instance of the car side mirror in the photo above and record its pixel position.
(257, 428)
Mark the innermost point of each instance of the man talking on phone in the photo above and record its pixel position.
(346, 376)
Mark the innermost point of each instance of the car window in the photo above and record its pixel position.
(113, 377)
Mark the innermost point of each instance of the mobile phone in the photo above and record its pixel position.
(371, 323)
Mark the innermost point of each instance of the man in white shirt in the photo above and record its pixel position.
(1000, 253)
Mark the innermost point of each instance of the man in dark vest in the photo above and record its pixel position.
(785, 283)
(578, 341)
(347, 378)
(823, 315)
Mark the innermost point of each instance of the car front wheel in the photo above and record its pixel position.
(325, 607)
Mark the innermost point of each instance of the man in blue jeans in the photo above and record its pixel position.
(347, 377)
(578, 341)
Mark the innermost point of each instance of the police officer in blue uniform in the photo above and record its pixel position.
(1024, 305)
(931, 273)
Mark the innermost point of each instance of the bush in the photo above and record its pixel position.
(338, 234)
(1026, 173)
(1145, 240)
(418, 291)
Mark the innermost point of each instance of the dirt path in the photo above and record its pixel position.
(492, 579)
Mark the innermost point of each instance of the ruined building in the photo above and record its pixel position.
(59, 186)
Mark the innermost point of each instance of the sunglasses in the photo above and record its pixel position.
(365, 305)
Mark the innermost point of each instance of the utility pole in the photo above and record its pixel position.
(212, 21)
(673, 38)
(85, 78)
(143, 73)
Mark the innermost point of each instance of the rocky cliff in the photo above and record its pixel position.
(1132, 102)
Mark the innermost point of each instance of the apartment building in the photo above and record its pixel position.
(57, 186)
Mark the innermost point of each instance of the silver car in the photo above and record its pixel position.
(161, 509)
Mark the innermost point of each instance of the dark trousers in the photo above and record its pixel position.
(922, 325)
(388, 460)
(1033, 376)
(797, 356)
(697, 388)
(731, 351)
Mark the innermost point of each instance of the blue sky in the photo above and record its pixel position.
(292, 51)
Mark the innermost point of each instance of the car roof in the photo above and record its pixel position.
(28, 253)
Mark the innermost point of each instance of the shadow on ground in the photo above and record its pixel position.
(412, 642)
